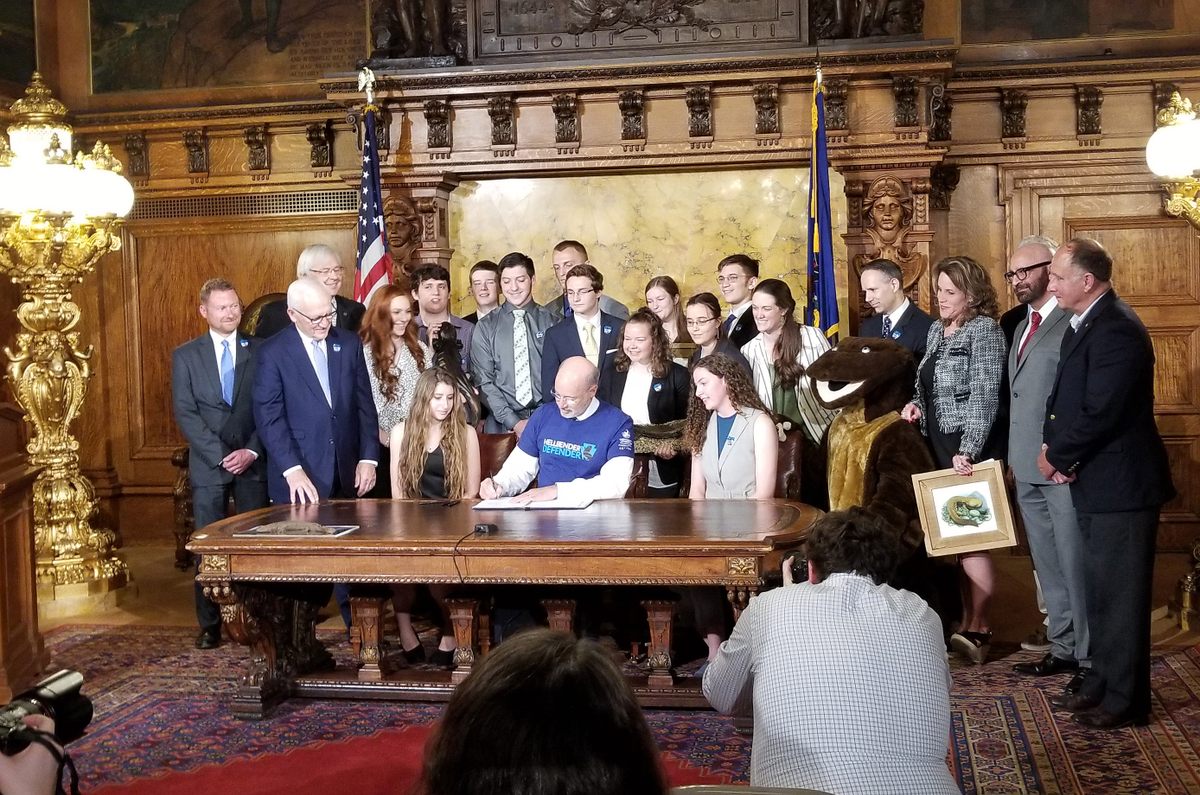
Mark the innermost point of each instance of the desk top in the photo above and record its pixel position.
(428, 540)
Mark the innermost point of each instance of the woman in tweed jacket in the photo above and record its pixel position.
(956, 397)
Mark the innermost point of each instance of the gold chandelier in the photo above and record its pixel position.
(59, 213)
(1173, 154)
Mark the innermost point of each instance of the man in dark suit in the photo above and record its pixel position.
(737, 275)
(324, 266)
(212, 381)
(588, 332)
(313, 405)
(566, 255)
(895, 317)
(1099, 436)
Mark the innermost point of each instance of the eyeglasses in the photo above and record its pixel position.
(319, 320)
(565, 399)
(579, 293)
(737, 277)
(698, 322)
(1022, 273)
(339, 270)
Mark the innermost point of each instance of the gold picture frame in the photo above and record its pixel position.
(965, 513)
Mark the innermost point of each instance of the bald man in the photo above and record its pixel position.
(579, 446)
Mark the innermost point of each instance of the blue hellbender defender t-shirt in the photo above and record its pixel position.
(567, 449)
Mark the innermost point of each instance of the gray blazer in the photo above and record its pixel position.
(212, 428)
(1029, 383)
(494, 367)
(607, 304)
(967, 379)
(730, 475)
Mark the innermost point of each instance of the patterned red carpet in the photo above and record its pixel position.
(161, 728)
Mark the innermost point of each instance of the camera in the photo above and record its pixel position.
(56, 697)
(799, 564)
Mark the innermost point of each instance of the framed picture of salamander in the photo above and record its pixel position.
(965, 513)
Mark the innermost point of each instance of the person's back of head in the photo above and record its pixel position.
(853, 541)
(543, 714)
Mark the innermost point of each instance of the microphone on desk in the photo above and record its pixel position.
(485, 529)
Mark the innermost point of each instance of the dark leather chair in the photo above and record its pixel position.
(787, 474)
(494, 448)
(251, 313)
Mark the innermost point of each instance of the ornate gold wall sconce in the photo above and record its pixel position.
(1173, 154)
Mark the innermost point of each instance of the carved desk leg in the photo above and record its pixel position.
(560, 614)
(739, 596)
(659, 614)
(462, 615)
(280, 631)
(366, 612)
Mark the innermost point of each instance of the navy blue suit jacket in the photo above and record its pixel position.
(1100, 415)
(912, 331)
(298, 427)
(562, 342)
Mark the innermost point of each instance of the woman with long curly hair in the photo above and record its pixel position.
(956, 399)
(435, 455)
(644, 383)
(395, 357)
(735, 452)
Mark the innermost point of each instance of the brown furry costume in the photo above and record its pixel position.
(873, 454)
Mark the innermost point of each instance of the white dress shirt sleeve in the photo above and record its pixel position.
(609, 484)
(519, 470)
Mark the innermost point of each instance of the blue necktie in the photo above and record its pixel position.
(729, 323)
(887, 326)
(567, 310)
(226, 373)
(322, 365)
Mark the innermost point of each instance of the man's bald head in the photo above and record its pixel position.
(575, 385)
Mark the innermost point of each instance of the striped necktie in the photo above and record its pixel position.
(523, 382)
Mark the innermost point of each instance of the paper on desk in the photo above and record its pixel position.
(507, 504)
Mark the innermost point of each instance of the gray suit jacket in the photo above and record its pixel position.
(494, 366)
(608, 304)
(1029, 383)
(212, 428)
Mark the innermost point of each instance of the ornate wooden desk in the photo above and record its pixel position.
(256, 580)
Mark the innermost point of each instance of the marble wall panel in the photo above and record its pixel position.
(637, 226)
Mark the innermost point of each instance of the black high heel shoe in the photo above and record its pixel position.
(415, 655)
(443, 659)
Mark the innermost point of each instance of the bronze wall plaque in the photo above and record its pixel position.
(558, 29)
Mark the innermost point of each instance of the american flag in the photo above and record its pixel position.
(374, 267)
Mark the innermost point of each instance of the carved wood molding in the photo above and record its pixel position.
(566, 122)
(196, 143)
(1013, 104)
(700, 113)
(139, 158)
(632, 104)
(439, 135)
(319, 135)
(1088, 128)
(258, 149)
(766, 112)
(502, 111)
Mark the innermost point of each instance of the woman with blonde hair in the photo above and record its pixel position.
(435, 455)
(395, 357)
(956, 398)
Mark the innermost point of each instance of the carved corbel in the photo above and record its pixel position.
(1088, 100)
(437, 124)
(700, 119)
(320, 142)
(139, 157)
(904, 90)
(566, 122)
(502, 111)
(1162, 98)
(940, 108)
(1012, 124)
(196, 143)
(942, 180)
(766, 112)
(836, 118)
(258, 151)
(382, 136)
(632, 103)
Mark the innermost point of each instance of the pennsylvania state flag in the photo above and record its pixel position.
(822, 311)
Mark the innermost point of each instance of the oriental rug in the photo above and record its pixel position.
(162, 727)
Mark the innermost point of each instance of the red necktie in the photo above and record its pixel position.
(1035, 320)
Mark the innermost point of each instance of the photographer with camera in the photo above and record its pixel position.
(35, 770)
(847, 676)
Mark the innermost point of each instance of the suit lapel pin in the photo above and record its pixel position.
(337, 348)
(540, 334)
(245, 343)
(896, 334)
(608, 329)
(658, 387)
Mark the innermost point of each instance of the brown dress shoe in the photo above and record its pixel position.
(1103, 719)
(1075, 702)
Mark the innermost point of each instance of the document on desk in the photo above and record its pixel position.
(508, 504)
